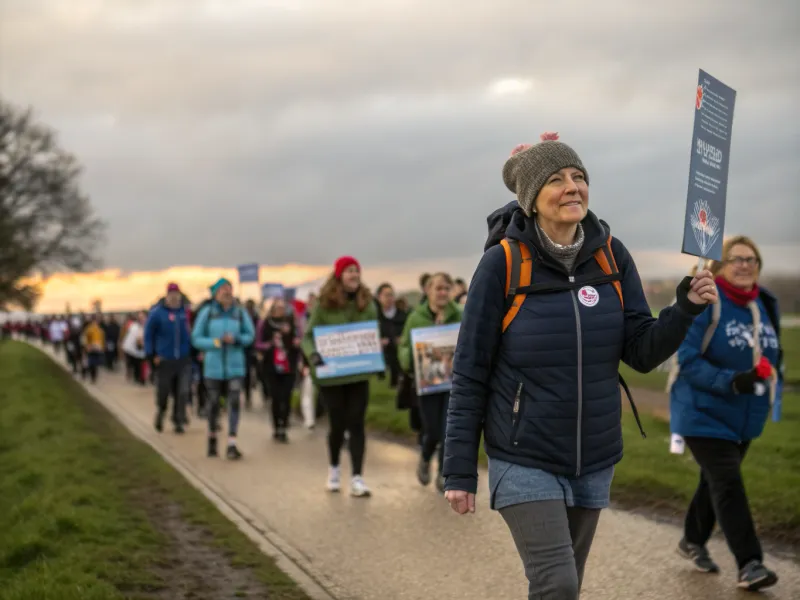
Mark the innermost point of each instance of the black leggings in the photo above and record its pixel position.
(721, 498)
(347, 408)
(433, 412)
(281, 386)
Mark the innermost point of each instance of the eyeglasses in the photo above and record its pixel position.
(750, 261)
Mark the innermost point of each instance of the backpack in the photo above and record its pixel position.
(208, 301)
(519, 285)
(519, 276)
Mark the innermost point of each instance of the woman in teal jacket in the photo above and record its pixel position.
(222, 331)
(436, 309)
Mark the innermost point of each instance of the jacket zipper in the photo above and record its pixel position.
(224, 349)
(515, 414)
(177, 335)
(580, 373)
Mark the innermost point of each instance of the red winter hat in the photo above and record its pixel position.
(342, 263)
(173, 287)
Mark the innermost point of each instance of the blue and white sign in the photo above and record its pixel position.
(289, 294)
(704, 222)
(271, 290)
(350, 349)
(248, 273)
(432, 350)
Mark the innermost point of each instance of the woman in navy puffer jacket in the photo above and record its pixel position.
(544, 387)
(729, 371)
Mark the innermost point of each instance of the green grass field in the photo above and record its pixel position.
(88, 512)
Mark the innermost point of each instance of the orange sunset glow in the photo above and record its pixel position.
(120, 291)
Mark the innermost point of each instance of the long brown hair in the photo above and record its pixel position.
(333, 297)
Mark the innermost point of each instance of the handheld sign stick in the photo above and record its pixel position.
(704, 221)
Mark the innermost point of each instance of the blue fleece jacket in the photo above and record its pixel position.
(166, 333)
(702, 401)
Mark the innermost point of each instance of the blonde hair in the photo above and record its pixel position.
(737, 240)
(268, 305)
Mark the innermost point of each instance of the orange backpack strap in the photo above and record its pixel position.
(605, 258)
(519, 273)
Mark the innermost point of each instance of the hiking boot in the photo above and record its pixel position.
(358, 488)
(424, 471)
(334, 479)
(698, 555)
(159, 424)
(233, 452)
(212, 447)
(755, 576)
(179, 428)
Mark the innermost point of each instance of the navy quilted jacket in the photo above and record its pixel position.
(557, 362)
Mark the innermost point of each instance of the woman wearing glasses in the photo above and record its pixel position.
(729, 373)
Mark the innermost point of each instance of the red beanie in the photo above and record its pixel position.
(342, 263)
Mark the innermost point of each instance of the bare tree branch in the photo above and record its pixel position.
(46, 223)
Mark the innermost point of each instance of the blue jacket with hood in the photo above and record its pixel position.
(223, 361)
(559, 358)
(167, 333)
(702, 400)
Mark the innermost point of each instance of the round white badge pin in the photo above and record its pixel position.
(588, 296)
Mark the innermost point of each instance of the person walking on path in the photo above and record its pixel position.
(167, 344)
(343, 299)
(438, 310)
(727, 377)
(278, 346)
(93, 341)
(112, 330)
(391, 322)
(222, 331)
(553, 307)
(133, 347)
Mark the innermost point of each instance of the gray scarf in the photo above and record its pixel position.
(566, 255)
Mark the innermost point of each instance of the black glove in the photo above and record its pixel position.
(745, 382)
(315, 359)
(682, 298)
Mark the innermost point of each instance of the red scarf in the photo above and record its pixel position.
(736, 294)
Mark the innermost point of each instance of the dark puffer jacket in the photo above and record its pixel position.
(559, 358)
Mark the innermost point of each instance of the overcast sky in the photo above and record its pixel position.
(228, 131)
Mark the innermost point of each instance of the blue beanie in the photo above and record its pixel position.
(220, 282)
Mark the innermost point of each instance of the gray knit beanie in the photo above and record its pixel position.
(529, 167)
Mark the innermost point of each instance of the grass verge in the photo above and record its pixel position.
(89, 512)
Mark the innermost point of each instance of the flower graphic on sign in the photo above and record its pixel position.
(705, 226)
(699, 98)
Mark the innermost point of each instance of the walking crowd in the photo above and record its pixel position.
(554, 306)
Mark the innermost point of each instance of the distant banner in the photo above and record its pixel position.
(271, 290)
(433, 349)
(248, 273)
(289, 294)
(704, 221)
(351, 349)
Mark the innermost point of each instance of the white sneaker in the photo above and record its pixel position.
(358, 488)
(334, 479)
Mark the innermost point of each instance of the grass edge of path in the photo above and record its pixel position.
(146, 465)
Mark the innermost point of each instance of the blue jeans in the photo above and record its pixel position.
(232, 390)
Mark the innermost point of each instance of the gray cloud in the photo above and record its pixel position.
(216, 135)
